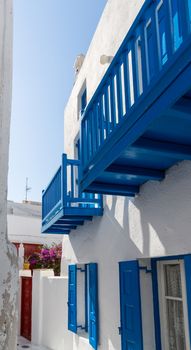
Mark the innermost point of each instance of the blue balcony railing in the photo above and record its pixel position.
(154, 52)
(63, 205)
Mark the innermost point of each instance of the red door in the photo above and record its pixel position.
(26, 307)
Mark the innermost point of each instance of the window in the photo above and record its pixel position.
(83, 301)
(170, 289)
(77, 147)
(82, 100)
(173, 305)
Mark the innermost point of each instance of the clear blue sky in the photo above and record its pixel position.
(48, 35)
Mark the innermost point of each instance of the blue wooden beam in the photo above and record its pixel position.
(151, 174)
(166, 149)
(77, 217)
(113, 189)
(183, 105)
(56, 231)
(64, 227)
(70, 222)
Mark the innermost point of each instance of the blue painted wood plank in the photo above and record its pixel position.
(176, 23)
(64, 179)
(144, 60)
(163, 26)
(107, 116)
(101, 118)
(93, 306)
(93, 133)
(168, 149)
(72, 298)
(156, 304)
(112, 102)
(132, 50)
(57, 232)
(130, 306)
(119, 91)
(83, 144)
(151, 174)
(115, 189)
(126, 81)
(95, 128)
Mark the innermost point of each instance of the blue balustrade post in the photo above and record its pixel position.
(126, 81)
(132, 48)
(101, 119)
(72, 180)
(112, 102)
(81, 153)
(156, 46)
(184, 22)
(95, 127)
(43, 205)
(64, 180)
(143, 60)
(119, 91)
(107, 120)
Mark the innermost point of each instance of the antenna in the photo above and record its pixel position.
(27, 189)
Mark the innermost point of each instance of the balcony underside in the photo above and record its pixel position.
(68, 219)
(153, 137)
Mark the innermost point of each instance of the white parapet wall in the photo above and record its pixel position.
(49, 311)
(37, 303)
(24, 224)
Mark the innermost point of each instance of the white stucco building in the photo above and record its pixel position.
(144, 242)
(8, 259)
(24, 224)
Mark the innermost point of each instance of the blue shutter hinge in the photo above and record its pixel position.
(81, 327)
(120, 330)
(80, 269)
(145, 268)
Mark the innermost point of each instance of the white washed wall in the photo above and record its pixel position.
(49, 311)
(8, 259)
(112, 28)
(156, 223)
(25, 229)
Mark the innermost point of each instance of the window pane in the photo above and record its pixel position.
(172, 280)
(175, 325)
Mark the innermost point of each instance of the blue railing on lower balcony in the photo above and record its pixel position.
(157, 38)
(63, 196)
(52, 196)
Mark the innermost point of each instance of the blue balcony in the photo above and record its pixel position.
(64, 207)
(138, 122)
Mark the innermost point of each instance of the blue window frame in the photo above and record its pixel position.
(83, 289)
(130, 301)
(186, 262)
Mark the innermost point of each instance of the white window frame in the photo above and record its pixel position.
(162, 304)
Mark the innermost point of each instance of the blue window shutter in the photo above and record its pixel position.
(187, 266)
(93, 305)
(156, 304)
(131, 318)
(72, 298)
